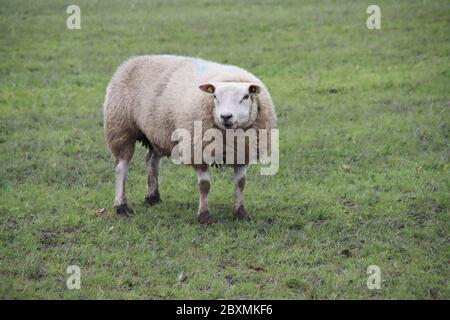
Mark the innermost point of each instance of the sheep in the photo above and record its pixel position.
(151, 96)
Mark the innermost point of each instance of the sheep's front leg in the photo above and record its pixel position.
(239, 181)
(153, 162)
(120, 202)
(204, 181)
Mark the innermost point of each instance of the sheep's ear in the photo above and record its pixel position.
(253, 88)
(207, 87)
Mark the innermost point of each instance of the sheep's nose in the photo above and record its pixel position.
(226, 116)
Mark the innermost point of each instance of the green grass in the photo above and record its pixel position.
(364, 154)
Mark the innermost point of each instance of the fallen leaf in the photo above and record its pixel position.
(103, 212)
(297, 284)
(257, 269)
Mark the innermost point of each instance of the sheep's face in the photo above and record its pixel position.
(234, 103)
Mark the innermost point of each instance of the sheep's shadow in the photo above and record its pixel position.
(175, 209)
(182, 209)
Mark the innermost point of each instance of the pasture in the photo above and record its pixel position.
(364, 175)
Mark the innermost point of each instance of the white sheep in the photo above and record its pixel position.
(149, 97)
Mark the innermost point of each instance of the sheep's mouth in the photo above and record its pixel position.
(229, 125)
(224, 125)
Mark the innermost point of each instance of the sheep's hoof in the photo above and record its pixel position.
(206, 218)
(153, 199)
(124, 210)
(242, 214)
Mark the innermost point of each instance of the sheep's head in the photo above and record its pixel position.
(235, 103)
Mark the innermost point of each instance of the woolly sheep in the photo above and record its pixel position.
(151, 96)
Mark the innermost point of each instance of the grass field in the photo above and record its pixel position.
(364, 154)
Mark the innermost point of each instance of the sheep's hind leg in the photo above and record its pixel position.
(204, 181)
(239, 180)
(153, 162)
(120, 202)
